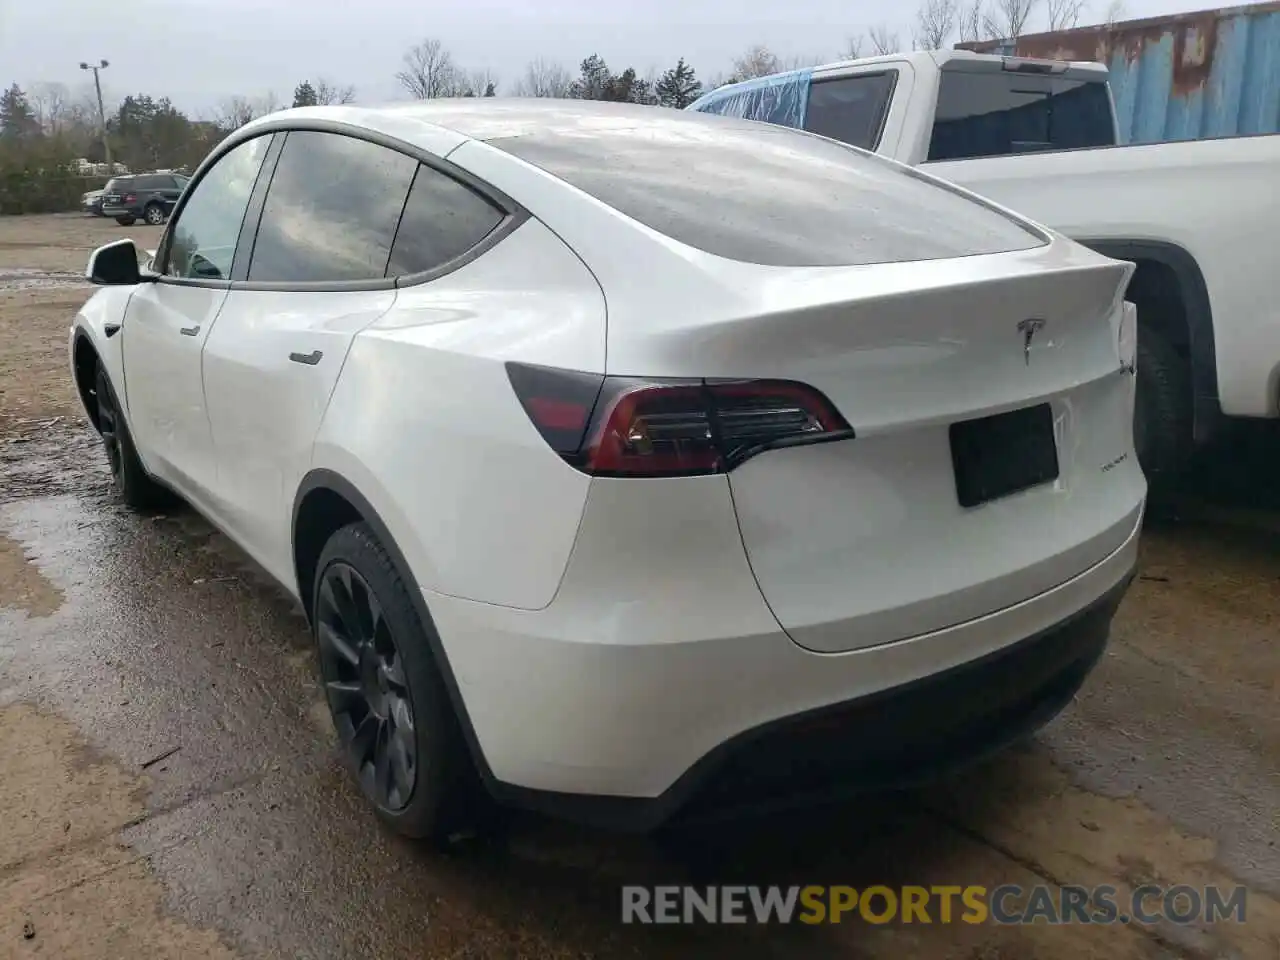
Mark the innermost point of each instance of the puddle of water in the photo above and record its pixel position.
(62, 461)
(25, 278)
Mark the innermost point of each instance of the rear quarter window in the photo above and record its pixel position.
(442, 220)
(765, 194)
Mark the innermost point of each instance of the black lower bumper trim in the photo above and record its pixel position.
(888, 740)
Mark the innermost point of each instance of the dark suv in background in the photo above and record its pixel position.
(142, 196)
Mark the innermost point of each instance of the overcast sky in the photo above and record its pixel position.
(199, 52)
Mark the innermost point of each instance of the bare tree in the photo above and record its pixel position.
(234, 112)
(970, 19)
(429, 72)
(1116, 11)
(800, 61)
(477, 83)
(883, 40)
(1064, 14)
(543, 78)
(852, 48)
(1007, 19)
(757, 61)
(328, 93)
(50, 102)
(935, 22)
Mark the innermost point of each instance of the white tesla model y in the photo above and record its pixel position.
(631, 462)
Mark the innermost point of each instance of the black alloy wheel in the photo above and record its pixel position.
(367, 687)
(109, 430)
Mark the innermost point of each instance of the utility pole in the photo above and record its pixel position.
(102, 113)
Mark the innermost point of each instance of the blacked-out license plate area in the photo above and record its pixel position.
(1004, 454)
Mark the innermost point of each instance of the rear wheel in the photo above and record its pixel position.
(1162, 421)
(153, 214)
(128, 476)
(125, 221)
(399, 735)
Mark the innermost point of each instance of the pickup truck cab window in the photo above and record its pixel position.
(851, 109)
(993, 114)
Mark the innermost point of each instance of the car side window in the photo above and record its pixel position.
(331, 210)
(202, 240)
(442, 220)
(850, 109)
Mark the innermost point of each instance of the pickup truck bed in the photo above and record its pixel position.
(1039, 137)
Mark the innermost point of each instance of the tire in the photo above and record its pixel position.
(128, 476)
(1163, 414)
(153, 214)
(126, 221)
(378, 671)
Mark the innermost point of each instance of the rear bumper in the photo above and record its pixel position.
(645, 683)
(895, 738)
(118, 211)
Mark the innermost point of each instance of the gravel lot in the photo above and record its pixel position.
(169, 787)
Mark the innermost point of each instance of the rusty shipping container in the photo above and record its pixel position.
(1190, 76)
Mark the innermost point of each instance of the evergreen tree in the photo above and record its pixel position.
(17, 120)
(595, 81)
(304, 95)
(679, 86)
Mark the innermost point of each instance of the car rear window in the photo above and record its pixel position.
(763, 194)
(994, 114)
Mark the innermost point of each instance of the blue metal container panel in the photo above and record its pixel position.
(1214, 73)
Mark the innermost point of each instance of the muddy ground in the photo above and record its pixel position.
(169, 788)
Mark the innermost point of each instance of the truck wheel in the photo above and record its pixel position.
(153, 214)
(1162, 419)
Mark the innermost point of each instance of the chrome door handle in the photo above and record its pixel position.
(310, 359)
(189, 331)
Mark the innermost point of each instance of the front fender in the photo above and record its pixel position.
(102, 312)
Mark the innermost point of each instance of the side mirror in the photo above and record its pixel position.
(115, 264)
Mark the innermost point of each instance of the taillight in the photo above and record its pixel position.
(634, 427)
(129, 198)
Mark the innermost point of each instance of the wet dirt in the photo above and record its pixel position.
(42, 263)
(69, 888)
(158, 694)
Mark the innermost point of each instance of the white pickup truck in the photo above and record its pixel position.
(1199, 218)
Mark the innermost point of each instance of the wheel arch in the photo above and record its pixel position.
(84, 367)
(324, 503)
(1193, 330)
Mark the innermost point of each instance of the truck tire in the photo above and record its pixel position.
(1162, 419)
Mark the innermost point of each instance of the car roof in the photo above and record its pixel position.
(494, 118)
(421, 122)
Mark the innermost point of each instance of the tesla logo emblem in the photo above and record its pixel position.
(1029, 328)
